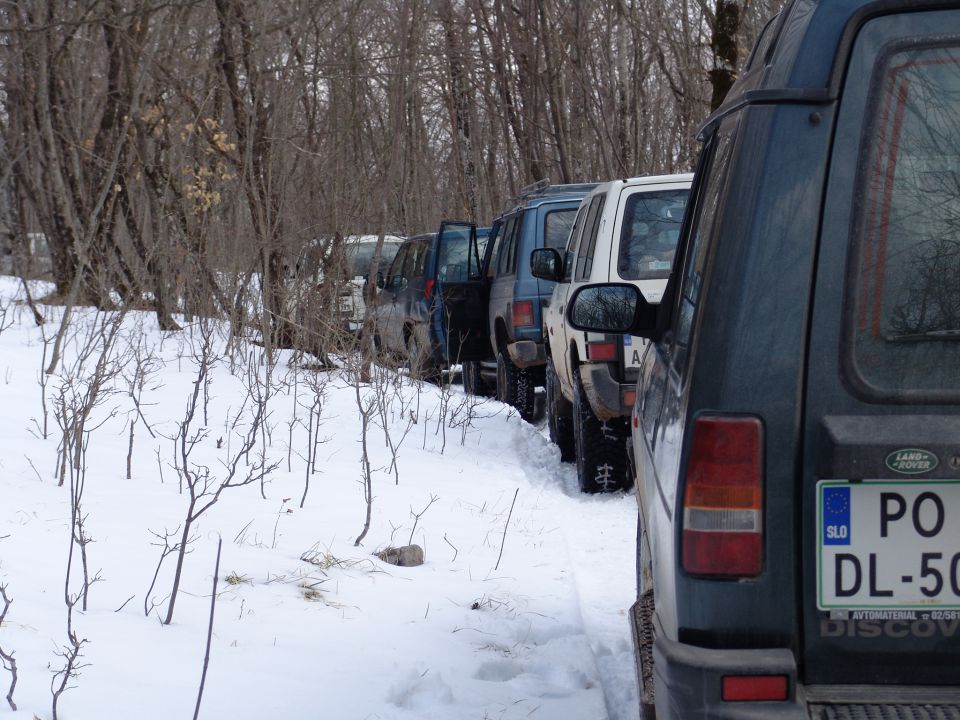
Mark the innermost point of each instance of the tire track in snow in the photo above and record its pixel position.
(599, 533)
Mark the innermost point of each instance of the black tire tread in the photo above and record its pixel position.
(418, 360)
(473, 382)
(559, 424)
(518, 390)
(601, 450)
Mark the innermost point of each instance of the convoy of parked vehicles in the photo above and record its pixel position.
(773, 363)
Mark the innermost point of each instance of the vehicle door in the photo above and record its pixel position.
(388, 312)
(881, 461)
(417, 294)
(581, 273)
(462, 291)
(556, 319)
(502, 272)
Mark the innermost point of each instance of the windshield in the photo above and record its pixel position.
(648, 240)
(360, 255)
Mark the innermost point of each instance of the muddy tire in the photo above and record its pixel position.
(418, 357)
(515, 386)
(600, 447)
(559, 417)
(473, 382)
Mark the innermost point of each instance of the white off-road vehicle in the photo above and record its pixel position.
(625, 230)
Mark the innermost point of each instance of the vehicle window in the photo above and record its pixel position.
(458, 259)
(556, 228)
(496, 235)
(649, 234)
(483, 237)
(396, 268)
(904, 278)
(701, 235)
(415, 261)
(421, 257)
(505, 264)
(360, 255)
(572, 241)
(588, 241)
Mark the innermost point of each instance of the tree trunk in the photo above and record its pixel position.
(726, 28)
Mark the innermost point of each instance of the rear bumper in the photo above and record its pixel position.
(604, 392)
(688, 682)
(527, 353)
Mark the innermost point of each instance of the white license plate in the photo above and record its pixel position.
(633, 348)
(888, 544)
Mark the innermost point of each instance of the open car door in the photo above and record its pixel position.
(463, 292)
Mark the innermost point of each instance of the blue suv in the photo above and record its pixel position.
(511, 360)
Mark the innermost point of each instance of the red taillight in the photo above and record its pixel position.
(752, 688)
(723, 498)
(428, 287)
(602, 351)
(522, 313)
(629, 398)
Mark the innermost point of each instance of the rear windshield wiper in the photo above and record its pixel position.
(928, 336)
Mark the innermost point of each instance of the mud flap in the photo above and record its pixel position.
(641, 625)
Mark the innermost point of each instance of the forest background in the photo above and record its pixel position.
(185, 153)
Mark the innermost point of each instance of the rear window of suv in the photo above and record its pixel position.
(648, 238)
(904, 287)
(556, 228)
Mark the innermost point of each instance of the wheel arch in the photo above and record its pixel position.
(500, 334)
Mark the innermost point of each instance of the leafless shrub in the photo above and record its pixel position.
(387, 386)
(142, 366)
(167, 548)
(6, 317)
(366, 407)
(43, 379)
(81, 391)
(213, 607)
(7, 658)
(416, 516)
(71, 653)
(203, 484)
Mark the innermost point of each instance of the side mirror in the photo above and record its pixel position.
(380, 282)
(546, 264)
(613, 308)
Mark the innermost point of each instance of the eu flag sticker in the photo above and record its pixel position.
(836, 516)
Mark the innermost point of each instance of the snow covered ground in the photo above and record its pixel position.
(307, 625)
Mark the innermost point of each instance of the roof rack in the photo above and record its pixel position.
(543, 187)
(534, 188)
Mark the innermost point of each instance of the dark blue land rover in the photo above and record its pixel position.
(796, 436)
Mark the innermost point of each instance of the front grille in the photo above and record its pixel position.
(885, 712)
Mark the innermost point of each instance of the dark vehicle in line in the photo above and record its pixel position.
(413, 314)
(514, 358)
(796, 433)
